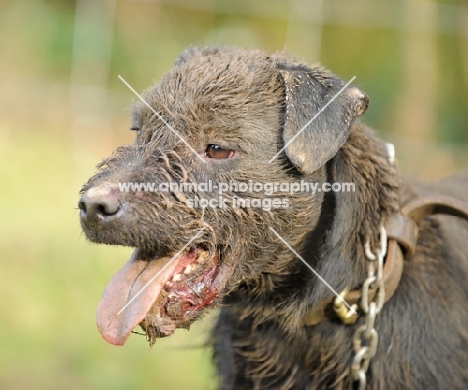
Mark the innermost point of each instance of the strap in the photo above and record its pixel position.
(402, 233)
(435, 204)
(403, 230)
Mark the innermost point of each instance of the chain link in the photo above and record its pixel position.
(366, 338)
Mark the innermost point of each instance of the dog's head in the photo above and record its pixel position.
(210, 183)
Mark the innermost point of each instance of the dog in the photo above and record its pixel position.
(317, 289)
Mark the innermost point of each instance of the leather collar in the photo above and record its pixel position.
(402, 234)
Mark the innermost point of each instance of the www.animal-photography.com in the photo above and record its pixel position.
(234, 195)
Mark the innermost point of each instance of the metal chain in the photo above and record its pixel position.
(366, 338)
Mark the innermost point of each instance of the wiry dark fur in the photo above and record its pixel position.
(253, 103)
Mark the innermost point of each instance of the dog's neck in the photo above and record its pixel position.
(357, 215)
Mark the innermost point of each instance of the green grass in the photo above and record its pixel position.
(52, 279)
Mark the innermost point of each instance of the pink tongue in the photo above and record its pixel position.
(139, 278)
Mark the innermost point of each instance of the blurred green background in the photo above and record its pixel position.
(63, 109)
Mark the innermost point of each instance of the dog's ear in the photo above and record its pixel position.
(307, 91)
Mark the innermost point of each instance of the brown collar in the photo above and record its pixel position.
(402, 232)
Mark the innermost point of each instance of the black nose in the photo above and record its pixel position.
(99, 202)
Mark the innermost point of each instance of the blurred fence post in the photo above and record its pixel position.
(416, 107)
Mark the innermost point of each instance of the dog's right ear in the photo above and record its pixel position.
(307, 91)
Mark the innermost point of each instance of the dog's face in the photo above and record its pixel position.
(225, 115)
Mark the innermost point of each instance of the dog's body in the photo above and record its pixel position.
(252, 105)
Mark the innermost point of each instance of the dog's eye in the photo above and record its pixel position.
(217, 151)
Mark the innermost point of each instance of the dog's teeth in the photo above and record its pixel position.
(176, 277)
(198, 289)
(188, 269)
(202, 257)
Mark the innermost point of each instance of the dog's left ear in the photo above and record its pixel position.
(307, 91)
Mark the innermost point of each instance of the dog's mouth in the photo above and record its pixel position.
(160, 294)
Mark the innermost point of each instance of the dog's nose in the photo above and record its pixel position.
(100, 202)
